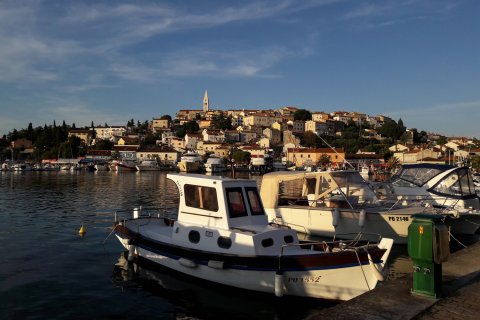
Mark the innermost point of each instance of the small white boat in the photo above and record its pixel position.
(21, 167)
(101, 166)
(222, 235)
(190, 162)
(215, 164)
(149, 165)
(125, 166)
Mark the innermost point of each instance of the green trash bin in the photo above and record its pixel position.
(428, 247)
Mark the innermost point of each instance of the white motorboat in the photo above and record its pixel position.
(442, 186)
(190, 162)
(221, 234)
(149, 165)
(341, 203)
(21, 167)
(102, 166)
(124, 166)
(214, 164)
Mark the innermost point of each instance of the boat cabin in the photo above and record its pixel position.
(226, 213)
(345, 189)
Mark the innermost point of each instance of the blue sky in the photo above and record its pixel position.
(110, 61)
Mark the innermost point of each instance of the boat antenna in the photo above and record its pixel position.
(345, 160)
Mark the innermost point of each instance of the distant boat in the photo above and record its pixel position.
(215, 164)
(149, 165)
(190, 162)
(125, 166)
(102, 166)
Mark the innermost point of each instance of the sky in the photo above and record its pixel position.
(112, 61)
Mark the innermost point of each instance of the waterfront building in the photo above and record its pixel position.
(311, 156)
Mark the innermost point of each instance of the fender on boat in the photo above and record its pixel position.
(335, 217)
(278, 284)
(131, 252)
(361, 218)
(187, 263)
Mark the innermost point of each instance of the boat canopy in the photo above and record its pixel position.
(418, 174)
(315, 186)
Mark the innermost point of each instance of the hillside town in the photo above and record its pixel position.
(249, 139)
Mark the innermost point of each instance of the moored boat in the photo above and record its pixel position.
(190, 162)
(215, 164)
(222, 234)
(124, 166)
(149, 165)
(341, 203)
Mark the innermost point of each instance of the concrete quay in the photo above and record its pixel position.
(393, 300)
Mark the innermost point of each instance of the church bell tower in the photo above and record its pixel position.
(205, 102)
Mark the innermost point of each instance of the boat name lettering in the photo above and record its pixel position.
(179, 188)
(398, 218)
(314, 279)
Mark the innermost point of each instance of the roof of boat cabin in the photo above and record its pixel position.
(195, 178)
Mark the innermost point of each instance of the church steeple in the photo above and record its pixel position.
(205, 102)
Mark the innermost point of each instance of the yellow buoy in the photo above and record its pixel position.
(82, 231)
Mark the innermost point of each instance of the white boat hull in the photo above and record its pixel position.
(333, 284)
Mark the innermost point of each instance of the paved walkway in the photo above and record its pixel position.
(392, 299)
(463, 304)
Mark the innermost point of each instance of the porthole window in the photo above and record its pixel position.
(194, 236)
(288, 239)
(224, 242)
(267, 242)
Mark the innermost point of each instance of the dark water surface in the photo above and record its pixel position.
(47, 271)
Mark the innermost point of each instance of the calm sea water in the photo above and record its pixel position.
(47, 271)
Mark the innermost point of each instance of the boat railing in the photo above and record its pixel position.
(358, 243)
(141, 212)
(277, 222)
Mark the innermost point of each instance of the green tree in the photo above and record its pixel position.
(104, 144)
(222, 122)
(310, 139)
(325, 160)
(303, 115)
(241, 157)
(191, 127)
(166, 117)
(391, 129)
(441, 140)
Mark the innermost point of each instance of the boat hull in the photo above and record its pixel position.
(391, 224)
(335, 277)
(322, 222)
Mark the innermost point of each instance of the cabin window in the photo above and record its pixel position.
(224, 242)
(201, 197)
(194, 236)
(288, 239)
(267, 242)
(236, 204)
(254, 201)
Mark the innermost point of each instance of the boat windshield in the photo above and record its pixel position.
(354, 187)
(411, 177)
(459, 183)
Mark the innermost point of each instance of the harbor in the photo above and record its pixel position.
(50, 207)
